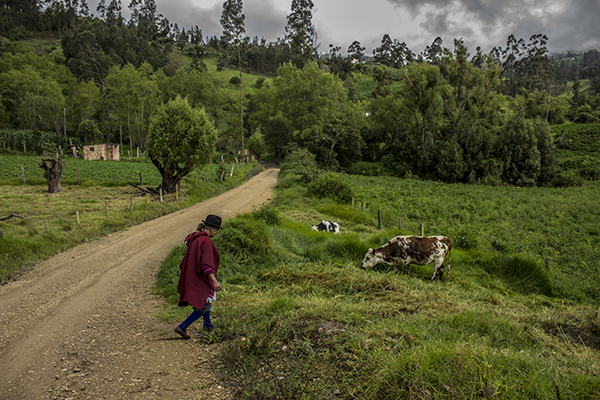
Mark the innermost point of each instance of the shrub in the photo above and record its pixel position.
(567, 178)
(235, 80)
(302, 163)
(330, 185)
(267, 213)
(366, 168)
(466, 238)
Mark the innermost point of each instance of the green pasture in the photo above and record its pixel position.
(301, 320)
(248, 79)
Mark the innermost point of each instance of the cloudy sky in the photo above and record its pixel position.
(569, 24)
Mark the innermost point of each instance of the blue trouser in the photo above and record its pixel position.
(196, 314)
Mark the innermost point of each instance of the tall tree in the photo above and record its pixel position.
(145, 15)
(34, 100)
(356, 51)
(297, 105)
(383, 53)
(300, 33)
(233, 23)
(181, 138)
(433, 53)
(423, 86)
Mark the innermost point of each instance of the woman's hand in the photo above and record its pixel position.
(215, 284)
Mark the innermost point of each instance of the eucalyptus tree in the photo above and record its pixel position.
(85, 101)
(300, 32)
(145, 15)
(134, 95)
(356, 51)
(233, 23)
(383, 53)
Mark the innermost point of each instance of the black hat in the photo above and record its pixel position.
(213, 220)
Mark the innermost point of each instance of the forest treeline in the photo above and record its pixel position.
(444, 113)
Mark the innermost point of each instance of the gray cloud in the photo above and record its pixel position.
(569, 25)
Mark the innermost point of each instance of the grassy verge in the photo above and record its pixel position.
(52, 225)
(303, 321)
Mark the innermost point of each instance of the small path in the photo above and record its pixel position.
(83, 325)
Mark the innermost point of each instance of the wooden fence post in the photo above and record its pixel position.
(23, 173)
(422, 230)
(362, 205)
(231, 174)
(131, 204)
(141, 180)
(196, 178)
(161, 197)
(78, 178)
(399, 224)
(77, 217)
(378, 219)
(107, 208)
(46, 225)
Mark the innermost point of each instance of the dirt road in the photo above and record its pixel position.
(83, 325)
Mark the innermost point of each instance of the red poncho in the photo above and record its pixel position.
(194, 287)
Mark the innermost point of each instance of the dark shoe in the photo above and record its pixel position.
(182, 333)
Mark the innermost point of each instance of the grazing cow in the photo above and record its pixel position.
(405, 250)
(327, 226)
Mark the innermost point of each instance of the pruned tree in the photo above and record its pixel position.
(180, 138)
(53, 167)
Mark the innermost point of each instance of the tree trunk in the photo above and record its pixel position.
(53, 172)
(171, 176)
(241, 108)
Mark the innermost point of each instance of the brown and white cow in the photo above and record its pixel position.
(405, 250)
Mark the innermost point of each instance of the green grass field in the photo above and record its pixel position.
(301, 320)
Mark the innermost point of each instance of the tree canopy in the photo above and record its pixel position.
(180, 139)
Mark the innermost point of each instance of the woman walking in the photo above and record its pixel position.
(198, 282)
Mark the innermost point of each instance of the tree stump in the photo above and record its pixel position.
(53, 167)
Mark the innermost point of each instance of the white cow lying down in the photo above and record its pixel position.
(327, 226)
(405, 250)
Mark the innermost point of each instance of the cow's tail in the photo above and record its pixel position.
(449, 257)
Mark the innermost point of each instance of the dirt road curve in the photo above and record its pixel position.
(82, 325)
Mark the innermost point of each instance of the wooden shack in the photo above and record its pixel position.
(107, 151)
